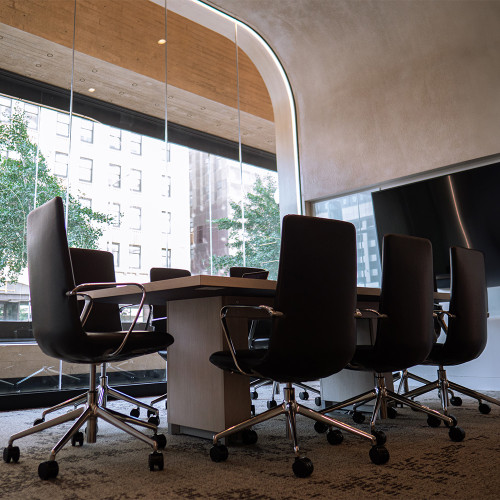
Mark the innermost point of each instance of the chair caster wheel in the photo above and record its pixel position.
(11, 453)
(249, 436)
(302, 467)
(254, 394)
(38, 421)
(358, 417)
(272, 404)
(154, 420)
(456, 401)
(456, 434)
(334, 436)
(304, 395)
(380, 436)
(454, 421)
(161, 441)
(155, 461)
(219, 453)
(379, 455)
(317, 400)
(391, 412)
(484, 408)
(135, 413)
(48, 470)
(77, 439)
(320, 427)
(433, 421)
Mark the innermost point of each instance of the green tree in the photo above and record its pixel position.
(261, 230)
(19, 157)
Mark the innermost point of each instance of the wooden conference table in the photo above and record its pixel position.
(203, 399)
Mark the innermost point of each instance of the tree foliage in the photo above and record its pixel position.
(261, 230)
(19, 158)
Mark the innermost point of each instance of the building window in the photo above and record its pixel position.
(135, 180)
(115, 176)
(114, 211)
(115, 139)
(134, 252)
(85, 169)
(115, 250)
(169, 222)
(135, 215)
(166, 257)
(169, 186)
(5, 109)
(199, 235)
(85, 202)
(61, 164)
(136, 145)
(62, 125)
(31, 113)
(87, 131)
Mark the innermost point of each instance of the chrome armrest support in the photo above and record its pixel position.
(223, 314)
(359, 313)
(78, 290)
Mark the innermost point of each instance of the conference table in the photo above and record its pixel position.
(203, 399)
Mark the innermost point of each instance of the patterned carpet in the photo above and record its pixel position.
(424, 463)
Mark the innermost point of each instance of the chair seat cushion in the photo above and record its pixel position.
(442, 355)
(248, 359)
(99, 345)
(367, 358)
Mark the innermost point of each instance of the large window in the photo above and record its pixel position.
(357, 209)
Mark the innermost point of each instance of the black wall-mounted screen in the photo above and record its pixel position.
(459, 209)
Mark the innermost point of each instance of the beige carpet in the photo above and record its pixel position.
(424, 463)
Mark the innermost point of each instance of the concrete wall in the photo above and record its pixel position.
(384, 88)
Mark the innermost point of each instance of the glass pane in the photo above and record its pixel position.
(357, 209)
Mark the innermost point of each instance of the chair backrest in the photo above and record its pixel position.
(316, 292)
(158, 274)
(406, 336)
(56, 317)
(248, 272)
(96, 266)
(467, 330)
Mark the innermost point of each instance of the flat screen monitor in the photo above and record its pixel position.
(459, 209)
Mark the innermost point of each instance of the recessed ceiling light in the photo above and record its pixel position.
(162, 41)
(50, 55)
(91, 89)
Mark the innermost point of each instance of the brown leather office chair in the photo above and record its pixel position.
(59, 331)
(97, 266)
(405, 330)
(466, 330)
(159, 312)
(312, 330)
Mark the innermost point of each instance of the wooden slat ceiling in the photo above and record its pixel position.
(117, 54)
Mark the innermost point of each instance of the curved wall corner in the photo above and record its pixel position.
(272, 72)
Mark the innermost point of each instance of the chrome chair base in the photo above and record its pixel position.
(291, 408)
(108, 392)
(445, 387)
(94, 408)
(384, 396)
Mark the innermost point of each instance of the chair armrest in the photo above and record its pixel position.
(359, 313)
(223, 314)
(78, 290)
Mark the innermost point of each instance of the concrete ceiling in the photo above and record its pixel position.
(117, 54)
